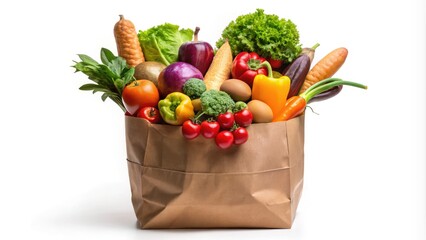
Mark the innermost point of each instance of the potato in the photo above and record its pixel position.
(262, 113)
(237, 89)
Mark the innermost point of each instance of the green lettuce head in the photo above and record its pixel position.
(266, 34)
(161, 43)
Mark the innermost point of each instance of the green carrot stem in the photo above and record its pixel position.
(308, 95)
(322, 82)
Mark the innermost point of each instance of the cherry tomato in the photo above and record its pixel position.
(240, 135)
(243, 118)
(139, 94)
(209, 129)
(224, 139)
(226, 120)
(190, 130)
(150, 113)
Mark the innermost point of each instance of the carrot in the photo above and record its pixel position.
(325, 67)
(127, 42)
(296, 104)
(220, 68)
(293, 107)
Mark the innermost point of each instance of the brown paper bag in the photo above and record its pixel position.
(179, 183)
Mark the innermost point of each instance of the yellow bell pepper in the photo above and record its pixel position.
(270, 90)
(176, 108)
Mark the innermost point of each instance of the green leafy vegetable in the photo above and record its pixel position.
(266, 34)
(110, 77)
(161, 43)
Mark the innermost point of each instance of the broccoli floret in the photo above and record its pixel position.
(215, 102)
(194, 87)
(240, 105)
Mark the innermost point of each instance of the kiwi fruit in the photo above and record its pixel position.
(149, 70)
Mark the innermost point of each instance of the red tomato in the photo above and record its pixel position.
(275, 64)
(224, 139)
(209, 129)
(190, 130)
(240, 135)
(226, 120)
(243, 118)
(150, 113)
(139, 94)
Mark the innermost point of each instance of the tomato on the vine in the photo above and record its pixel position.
(243, 118)
(190, 129)
(240, 135)
(149, 113)
(209, 128)
(224, 139)
(226, 120)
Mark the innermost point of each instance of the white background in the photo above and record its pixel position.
(63, 172)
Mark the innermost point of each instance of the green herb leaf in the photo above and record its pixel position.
(118, 65)
(108, 95)
(87, 59)
(93, 87)
(128, 76)
(107, 56)
(108, 73)
(119, 85)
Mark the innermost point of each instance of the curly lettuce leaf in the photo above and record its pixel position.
(266, 34)
(161, 43)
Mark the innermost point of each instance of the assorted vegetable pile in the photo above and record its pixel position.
(259, 73)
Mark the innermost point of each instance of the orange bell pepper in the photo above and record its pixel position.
(270, 90)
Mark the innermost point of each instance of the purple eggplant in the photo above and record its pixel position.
(297, 72)
(172, 78)
(327, 94)
(197, 53)
(310, 51)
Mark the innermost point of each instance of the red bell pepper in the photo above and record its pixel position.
(247, 65)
